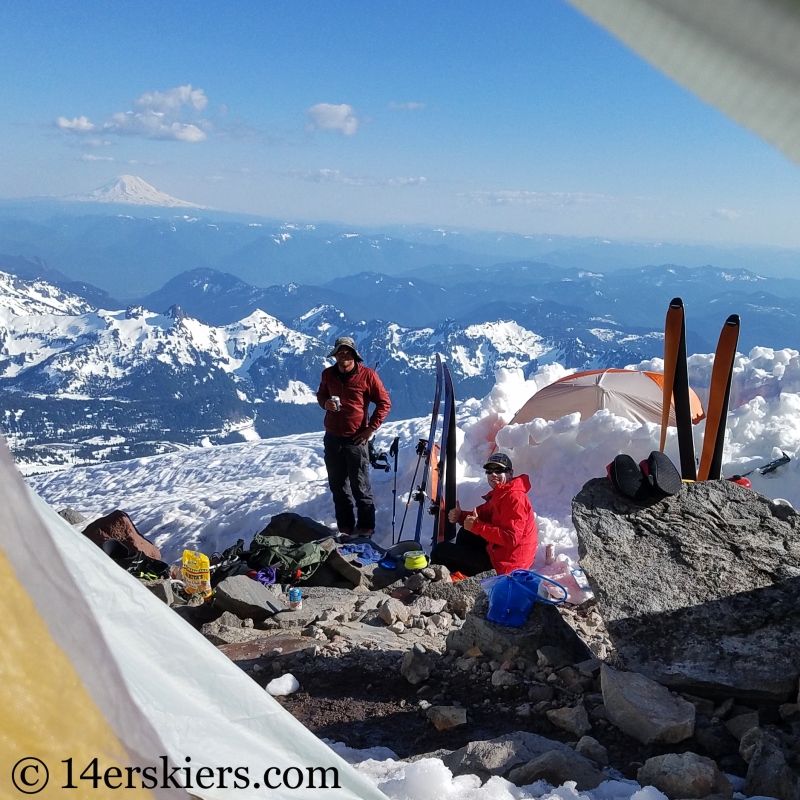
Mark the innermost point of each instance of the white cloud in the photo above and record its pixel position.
(163, 115)
(513, 197)
(111, 160)
(726, 213)
(407, 181)
(337, 176)
(76, 124)
(406, 106)
(174, 98)
(334, 176)
(95, 143)
(152, 125)
(329, 117)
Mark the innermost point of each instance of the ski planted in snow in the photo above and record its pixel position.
(423, 453)
(445, 496)
(450, 463)
(422, 489)
(676, 388)
(719, 396)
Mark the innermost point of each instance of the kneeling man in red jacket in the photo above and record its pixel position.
(501, 534)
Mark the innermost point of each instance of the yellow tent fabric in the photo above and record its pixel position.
(93, 665)
(57, 678)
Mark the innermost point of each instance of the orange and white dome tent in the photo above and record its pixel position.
(634, 395)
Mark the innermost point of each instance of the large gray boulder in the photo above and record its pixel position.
(499, 756)
(416, 665)
(247, 598)
(769, 775)
(700, 591)
(544, 626)
(572, 720)
(556, 767)
(684, 775)
(72, 516)
(644, 709)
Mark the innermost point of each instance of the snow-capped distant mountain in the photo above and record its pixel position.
(81, 384)
(19, 298)
(133, 190)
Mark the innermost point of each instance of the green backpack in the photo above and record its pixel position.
(290, 558)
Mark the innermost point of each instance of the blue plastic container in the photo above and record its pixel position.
(511, 597)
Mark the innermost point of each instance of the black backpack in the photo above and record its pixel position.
(134, 561)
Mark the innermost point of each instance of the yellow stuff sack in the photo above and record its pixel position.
(196, 573)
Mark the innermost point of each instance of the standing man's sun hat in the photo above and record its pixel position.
(344, 341)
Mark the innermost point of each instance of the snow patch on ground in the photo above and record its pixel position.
(430, 779)
(206, 498)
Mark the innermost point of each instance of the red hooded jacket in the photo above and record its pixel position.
(507, 522)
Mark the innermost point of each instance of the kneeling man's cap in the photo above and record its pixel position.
(499, 460)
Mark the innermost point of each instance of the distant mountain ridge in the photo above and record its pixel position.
(130, 249)
(79, 384)
(536, 295)
(211, 358)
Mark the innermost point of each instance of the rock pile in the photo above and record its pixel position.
(415, 664)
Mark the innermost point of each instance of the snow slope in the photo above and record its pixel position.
(206, 498)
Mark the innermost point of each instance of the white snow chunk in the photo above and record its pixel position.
(286, 684)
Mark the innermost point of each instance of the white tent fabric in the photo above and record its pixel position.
(743, 56)
(164, 689)
(628, 394)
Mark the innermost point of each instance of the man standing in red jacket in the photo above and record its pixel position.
(501, 534)
(345, 392)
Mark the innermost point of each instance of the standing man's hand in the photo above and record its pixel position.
(364, 435)
(329, 405)
(470, 520)
(454, 514)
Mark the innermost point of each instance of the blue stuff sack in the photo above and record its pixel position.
(511, 597)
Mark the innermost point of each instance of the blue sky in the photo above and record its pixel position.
(521, 116)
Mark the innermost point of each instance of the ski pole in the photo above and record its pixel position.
(423, 443)
(393, 452)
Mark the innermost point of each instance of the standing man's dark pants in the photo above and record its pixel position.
(467, 554)
(348, 476)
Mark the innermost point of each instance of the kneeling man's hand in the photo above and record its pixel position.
(470, 520)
